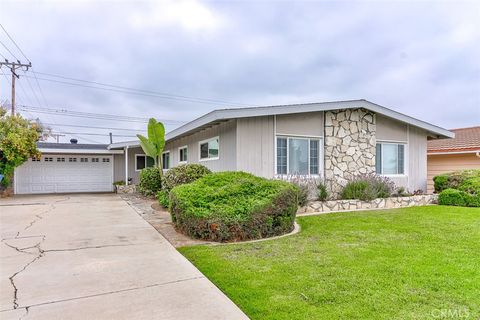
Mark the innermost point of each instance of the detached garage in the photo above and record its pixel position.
(67, 168)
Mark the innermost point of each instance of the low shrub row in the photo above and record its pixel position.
(459, 188)
(454, 197)
(234, 206)
(464, 180)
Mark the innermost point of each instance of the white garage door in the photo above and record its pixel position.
(64, 174)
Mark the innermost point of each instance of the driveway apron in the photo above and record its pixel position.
(93, 257)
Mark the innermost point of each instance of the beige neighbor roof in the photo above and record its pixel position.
(466, 140)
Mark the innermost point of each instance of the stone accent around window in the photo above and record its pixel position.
(316, 207)
(350, 138)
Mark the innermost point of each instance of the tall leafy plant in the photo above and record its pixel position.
(18, 142)
(154, 144)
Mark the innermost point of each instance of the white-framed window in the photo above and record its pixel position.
(209, 149)
(106, 160)
(72, 159)
(61, 159)
(95, 159)
(83, 159)
(48, 159)
(36, 159)
(183, 154)
(142, 161)
(166, 160)
(390, 158)
(298, 155)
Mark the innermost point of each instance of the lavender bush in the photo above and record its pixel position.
(368, 187)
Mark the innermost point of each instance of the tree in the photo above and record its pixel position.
(18, 142)
(153, 146)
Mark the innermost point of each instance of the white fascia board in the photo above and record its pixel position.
(453, 152)
(134, 143)
(225, 114)
(79, 151)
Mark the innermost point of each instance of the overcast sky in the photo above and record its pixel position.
(419, 58)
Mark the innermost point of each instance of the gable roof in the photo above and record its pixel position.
(466, 140)
(220, 115)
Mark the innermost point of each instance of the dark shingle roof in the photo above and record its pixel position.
(72, 146)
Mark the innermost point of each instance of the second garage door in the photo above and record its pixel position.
(65, 174)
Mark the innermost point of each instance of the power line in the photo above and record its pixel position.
(16, 45)
(11, 53)
(93, 127)
(100, 116)
(93, 134)
(150, 92)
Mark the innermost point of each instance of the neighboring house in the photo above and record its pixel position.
(462, 152)
(334, 141)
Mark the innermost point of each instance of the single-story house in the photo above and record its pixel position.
(334, 141)
(459, 153)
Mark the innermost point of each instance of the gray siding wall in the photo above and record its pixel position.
(226, 132)
(302, 124)
(119, 165)
(391, 130)
(416, 161)
(255, 146)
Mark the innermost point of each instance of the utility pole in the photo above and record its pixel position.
(57, 136)
(13, 66)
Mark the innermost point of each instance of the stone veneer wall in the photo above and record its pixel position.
(350, 205)
(349, 146)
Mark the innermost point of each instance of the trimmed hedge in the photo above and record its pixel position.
(454, 197)
(234, 206)
(150, 181)
(185, 173)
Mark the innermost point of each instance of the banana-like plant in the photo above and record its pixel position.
(154, 144)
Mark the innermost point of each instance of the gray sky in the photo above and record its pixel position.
(420, 58)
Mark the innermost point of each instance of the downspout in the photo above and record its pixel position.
(126, 165)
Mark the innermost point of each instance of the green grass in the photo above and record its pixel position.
(411, 263)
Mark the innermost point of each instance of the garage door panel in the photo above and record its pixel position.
(54, 176)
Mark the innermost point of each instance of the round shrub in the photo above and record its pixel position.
(440, 183)
(452, 197)
(234, 206)
(162, 197)
(150, 181)
(182, 174)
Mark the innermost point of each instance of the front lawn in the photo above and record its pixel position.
(411, 263)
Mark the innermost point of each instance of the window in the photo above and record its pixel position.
(106, 160)
(183, 154)
(72, 159)
(94, 159)
(209, 149)
(142, 161)
(299, 156)
(390, 158)
(60, 159)
(83, 159)
(48, 159)
(35, 159)
(166, 160)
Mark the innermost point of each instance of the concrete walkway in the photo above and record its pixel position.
(93, 257)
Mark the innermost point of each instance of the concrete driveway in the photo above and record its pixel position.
(93, 257)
